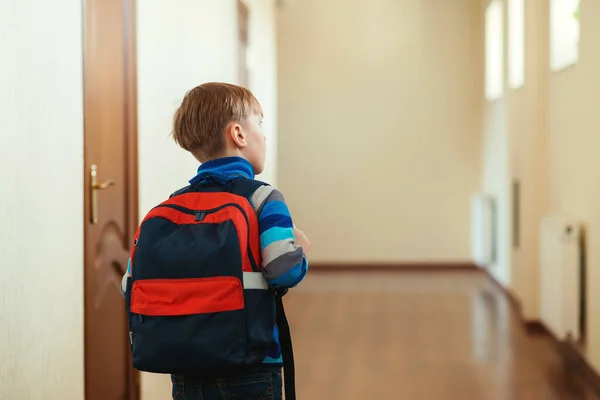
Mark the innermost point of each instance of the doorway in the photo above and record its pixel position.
(111, 215)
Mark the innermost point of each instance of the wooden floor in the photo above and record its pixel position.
(411, 335)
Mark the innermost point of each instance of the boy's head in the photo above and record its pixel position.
(218, 120)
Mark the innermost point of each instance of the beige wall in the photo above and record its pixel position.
(41, 200)
(515, 147)
(379, 126)
(183, 46)
(527, 121)
(262, 68)
(574, 164)
(496, 176)
(178, 48)
(550, 128)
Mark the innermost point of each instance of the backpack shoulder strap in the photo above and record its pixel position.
(287, 349)
(246, 187)
(181, 191)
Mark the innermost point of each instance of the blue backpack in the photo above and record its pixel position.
(196, 298)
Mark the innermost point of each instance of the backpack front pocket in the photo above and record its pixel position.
(188, 325)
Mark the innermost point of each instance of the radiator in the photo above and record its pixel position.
(560, 276)
(482, 230)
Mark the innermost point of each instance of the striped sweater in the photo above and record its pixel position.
(283, 261)
(284, 264)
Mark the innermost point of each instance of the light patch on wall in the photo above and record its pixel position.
(564, 33)
(494, 51)
(516, 43)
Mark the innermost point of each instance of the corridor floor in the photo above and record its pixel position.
(412, 335)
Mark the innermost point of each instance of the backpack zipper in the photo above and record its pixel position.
(201, 214)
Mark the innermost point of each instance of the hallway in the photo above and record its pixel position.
(398, 131)
(418, 335)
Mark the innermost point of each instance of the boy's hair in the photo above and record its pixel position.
(200, 120)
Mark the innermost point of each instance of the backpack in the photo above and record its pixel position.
(196, 298)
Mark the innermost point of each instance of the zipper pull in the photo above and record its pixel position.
(200, 215)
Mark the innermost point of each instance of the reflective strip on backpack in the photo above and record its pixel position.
(255, 280)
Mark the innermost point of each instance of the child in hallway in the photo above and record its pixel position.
(220, 125)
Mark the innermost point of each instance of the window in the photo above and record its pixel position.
(494, 51)
(516, 43)
(564, 33)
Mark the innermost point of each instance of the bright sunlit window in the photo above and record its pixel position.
(516, 43)
(494, 51)
(564, 33)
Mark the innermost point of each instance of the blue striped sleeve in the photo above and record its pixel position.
(270, 221)
(284, 263)
(292, 277)
(275, 234)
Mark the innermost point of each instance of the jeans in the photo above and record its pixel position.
(264, 385)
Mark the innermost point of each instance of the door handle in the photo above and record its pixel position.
(94, 187)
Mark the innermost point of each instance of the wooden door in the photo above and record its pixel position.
(110, 192)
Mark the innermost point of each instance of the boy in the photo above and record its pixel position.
(220, 125)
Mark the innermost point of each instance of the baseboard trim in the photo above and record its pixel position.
(508, 293)
(574, 362)
(534, 327)
(393, 266)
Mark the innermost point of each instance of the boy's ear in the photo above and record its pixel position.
(237, 135)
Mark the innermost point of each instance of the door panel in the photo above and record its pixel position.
(111, 195)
